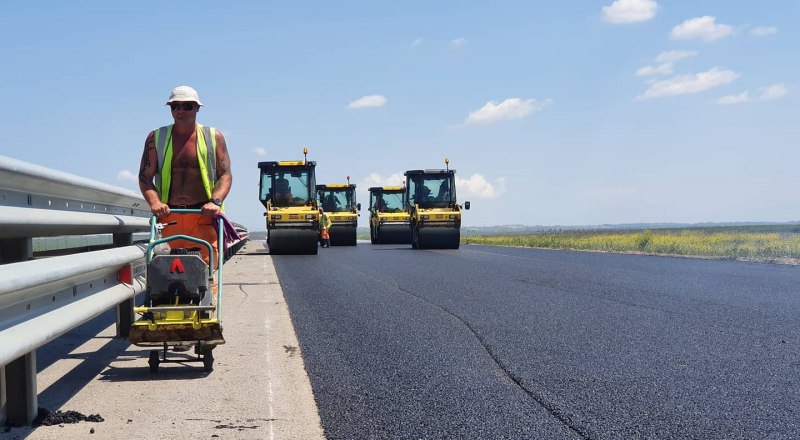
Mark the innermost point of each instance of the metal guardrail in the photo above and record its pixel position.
(41, 299)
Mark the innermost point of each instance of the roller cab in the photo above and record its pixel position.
(338, 200)
(389, 220)
(287, 191)
(434, 212)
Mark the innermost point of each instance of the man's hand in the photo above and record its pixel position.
(210, 209)
(159, 209)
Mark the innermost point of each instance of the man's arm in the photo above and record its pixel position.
(147, 170)
(224, 178)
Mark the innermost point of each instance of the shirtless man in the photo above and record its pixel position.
(185, 186)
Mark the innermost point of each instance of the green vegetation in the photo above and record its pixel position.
(763, 242)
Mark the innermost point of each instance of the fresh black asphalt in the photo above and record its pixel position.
(504, 343)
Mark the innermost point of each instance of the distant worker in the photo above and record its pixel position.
(186, 165)
(330, 203)
(283, 192)
(380, 204)
(425, 195)
(444, 192)
(325, 224)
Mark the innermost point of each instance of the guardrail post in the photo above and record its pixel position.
(125, 315)
(2, 396)
(17, 389)
(19, 384)
(13, 250)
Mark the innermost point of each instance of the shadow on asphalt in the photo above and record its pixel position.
(62, 346)
(183, 370)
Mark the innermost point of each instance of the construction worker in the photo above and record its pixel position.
(325, 224)
(283, 192)
(186, 165)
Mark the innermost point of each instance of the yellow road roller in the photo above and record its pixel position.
(389, 222)
(433, 208)
(287, 191)
(338, 200)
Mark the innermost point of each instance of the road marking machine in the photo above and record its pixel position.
(183, 299)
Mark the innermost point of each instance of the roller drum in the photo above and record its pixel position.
(394, 234)
(293, 241)
(438, 238)
(343, 235)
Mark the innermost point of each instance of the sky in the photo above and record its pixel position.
(553, 113)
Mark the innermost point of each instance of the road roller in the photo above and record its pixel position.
(183, 298)
(388, 215)
(287, 189)
(433, 209)
(338, 200)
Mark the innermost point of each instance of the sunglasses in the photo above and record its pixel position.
(185, 106)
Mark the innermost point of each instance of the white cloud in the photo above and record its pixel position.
(458, 43)
(511, 108)
(416, 42)
(774, 91)
(661, 69)
(705, 28)
(667, 62)
(368, 101)
(672, 56)
(764, 31)
(629, 11)
(477, 186)
(259, 151)
(128, 176)
(375, 179)
(735, 99)
(687, 84)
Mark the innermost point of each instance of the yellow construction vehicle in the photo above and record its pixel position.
(287, 191)
(433, 208)
(388, 215)
(338, 200)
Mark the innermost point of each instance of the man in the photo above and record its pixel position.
(325, 224)
(186, 165)
(444, 192)
(283, 192)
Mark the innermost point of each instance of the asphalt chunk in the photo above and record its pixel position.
(48, 418)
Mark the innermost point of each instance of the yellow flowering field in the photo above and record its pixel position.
(713, 242)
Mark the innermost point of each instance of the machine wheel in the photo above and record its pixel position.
(293, 241)
(438, 238)
(208, 359)
(154, 361)
(414, 237)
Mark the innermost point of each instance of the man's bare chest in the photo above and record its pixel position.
(184, 152)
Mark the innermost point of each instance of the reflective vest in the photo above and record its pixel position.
(206, 158)
(326, 222)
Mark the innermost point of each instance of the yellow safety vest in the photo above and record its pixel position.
(206, 158)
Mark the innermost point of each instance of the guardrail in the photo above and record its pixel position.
(43, 298)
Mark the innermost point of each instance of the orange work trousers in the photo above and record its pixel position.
(193, 225)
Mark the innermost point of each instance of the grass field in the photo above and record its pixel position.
(763, 242)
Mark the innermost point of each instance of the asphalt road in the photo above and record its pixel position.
(495, 343)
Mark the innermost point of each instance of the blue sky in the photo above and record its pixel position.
(552, 113)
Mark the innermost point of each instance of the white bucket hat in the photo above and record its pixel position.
(184, 93)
